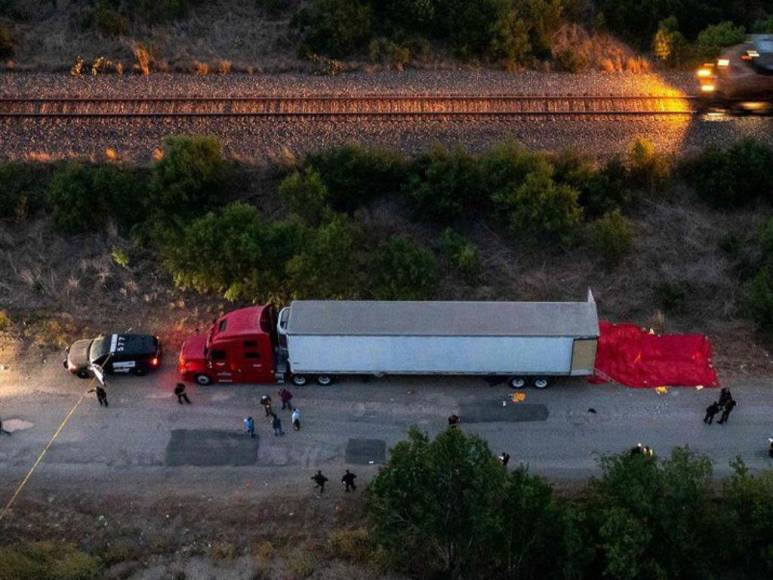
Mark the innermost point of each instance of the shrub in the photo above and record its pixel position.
(732, 177)
(353, 545)
(648, 170)
(508, 164)
(46, 561)
(335, 27)
(758, 299)
(672, 296)
(600, 190)
(73, 200)
(669, 44)
(612, 237)
(461, 253)
(539, 207)
(159, 11)
(22, 190)
(235, 252)
(466, 24)
(326, 266)
(272, 8)
(765, 238)
(5, 321)
(7, 49)
(354, 175)
(714, 38)
(306, 195)
(190, 178)
(571, 61)
(763, 26)
(401, 270)
(510, 40)
(444, 186)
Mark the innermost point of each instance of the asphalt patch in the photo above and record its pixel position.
(493, 412)
(366, 451)
(202, 447)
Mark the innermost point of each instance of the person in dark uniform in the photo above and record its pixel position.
(101, 395)
(453, 421)
(319, 480)
(504, 459)
(348, 481)
(724, 396)
(729, 406)
(711, 412)
(179, 390)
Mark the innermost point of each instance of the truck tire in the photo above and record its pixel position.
(541, 383)
(517, 382)
(324, 380)
(299, 380)
(203, 380)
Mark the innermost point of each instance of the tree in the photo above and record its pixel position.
(433, 507)
(648, 170)
(444, 186)
(612, 237)
(306, 196)
(713, 39)
(335, 27)
(669, 44)
(327, 266)
(75, 204)
(191, 178)
(539, 207)
(402, 271)
(510, 39)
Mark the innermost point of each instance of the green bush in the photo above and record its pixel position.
(732, 177)
(510, 41)
(444, 186)
(74, 203)
(508, 164)
(672, 296)
(47, 561)
(235, 252)
(763, 26)
(669, 44)
(571, 61)
(326, 265)
(758, 299)
(648, 170)
(539, 207)
(306, 196)
(7, 49)
(22, 190)
(354, 175)
(612, 237)
(713, 39)
(400, 270)
(335, 27)
(191, 178)
(461, 254)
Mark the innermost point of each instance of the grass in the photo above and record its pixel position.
(47, 561)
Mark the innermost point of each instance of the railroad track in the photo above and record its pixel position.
(346, 106)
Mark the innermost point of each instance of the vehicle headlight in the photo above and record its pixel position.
(703, 73)
(723, 62)
(708, 88)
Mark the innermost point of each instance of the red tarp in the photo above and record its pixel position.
(630, 356)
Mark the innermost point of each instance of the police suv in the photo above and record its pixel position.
(114, 353)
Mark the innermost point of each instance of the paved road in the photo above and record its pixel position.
(146, 442)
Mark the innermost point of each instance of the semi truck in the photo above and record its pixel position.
(321, 340)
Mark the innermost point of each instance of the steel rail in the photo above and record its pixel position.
(338, 106)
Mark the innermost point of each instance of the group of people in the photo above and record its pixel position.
(347, 479)
(726, 404)
(276, 422)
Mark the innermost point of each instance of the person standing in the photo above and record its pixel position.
(729, 406)
(319, 480)
(276, 423)
(504, 459)
(179, 390)
(265, 400)
(4, 431)
(101, 395)
(711, 412)
(286, 397)
(724, 396)
(249, 426)
(296, 419)
(348, 481)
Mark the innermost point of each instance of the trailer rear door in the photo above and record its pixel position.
(583, 355)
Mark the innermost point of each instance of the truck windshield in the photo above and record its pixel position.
(99, 349)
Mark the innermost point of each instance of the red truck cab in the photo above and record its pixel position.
(239, 348)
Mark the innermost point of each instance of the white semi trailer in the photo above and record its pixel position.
(524, 341)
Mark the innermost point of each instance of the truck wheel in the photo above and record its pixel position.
(517, 382)
(324, 380)
(541, 383)
(203, 380)
(299, 380)
(83, 374)
(139, 372)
